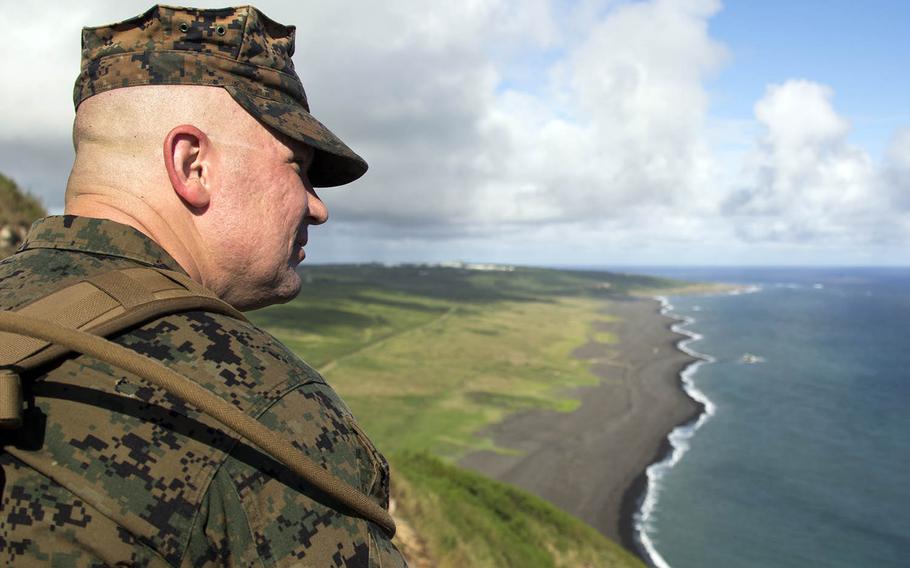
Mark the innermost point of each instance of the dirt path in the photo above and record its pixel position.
(379, 342)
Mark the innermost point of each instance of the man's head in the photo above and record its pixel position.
(193, 127)
(223, 193)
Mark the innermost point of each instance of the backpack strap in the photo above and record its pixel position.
(106, 304)
(102, 305)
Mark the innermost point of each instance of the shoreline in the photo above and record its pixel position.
(675, 445)
(593, 462)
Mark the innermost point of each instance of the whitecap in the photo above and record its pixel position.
(679, 438)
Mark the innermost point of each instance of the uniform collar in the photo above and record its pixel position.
(97, 236)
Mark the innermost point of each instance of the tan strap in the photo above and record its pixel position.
(136, 316)
(208, 403)
(10, 399)
(128, 292)
(187, 282)
(108, 303)
(73, 306)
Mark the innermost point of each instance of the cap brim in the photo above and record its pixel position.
(334, 163)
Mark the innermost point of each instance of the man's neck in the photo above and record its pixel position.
(133, 212)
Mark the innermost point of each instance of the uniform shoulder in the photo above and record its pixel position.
(35, 273)
(231, 357)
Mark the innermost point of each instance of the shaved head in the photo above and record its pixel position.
(119, 132)
(149, 109)
(194, 171)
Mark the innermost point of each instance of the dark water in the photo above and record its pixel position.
(806, 459)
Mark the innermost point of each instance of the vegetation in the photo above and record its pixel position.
(480, 522)
(427, 357)
(17, 212)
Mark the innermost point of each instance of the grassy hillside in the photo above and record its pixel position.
(17, 212)
(470, 520)
(428, 356)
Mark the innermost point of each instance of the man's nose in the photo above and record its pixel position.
(317, 212)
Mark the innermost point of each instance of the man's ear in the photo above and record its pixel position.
(187, 158)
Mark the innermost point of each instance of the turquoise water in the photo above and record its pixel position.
(806, 458)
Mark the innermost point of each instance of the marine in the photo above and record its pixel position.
(196, 157)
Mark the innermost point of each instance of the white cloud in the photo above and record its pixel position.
(37, 96)
(897, 169)
(629, 133)
(617, 126)
(805, 180)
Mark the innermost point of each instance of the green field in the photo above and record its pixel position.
(428, 356)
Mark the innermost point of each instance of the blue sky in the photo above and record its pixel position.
(861, 49)
(591, 132)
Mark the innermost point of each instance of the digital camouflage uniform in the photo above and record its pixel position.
(109, 471)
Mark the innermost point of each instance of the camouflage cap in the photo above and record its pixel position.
(239, 49)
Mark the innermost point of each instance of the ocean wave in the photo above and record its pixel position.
(751, 289)
(678, 438)
(795, 286)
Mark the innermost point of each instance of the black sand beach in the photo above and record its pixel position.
(591, 462)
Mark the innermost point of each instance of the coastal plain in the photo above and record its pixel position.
(559, 387)
(591, 462)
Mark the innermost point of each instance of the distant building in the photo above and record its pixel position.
(478, 266)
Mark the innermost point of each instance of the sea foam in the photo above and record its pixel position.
(678, 438)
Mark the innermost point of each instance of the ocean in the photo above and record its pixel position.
(803, 458)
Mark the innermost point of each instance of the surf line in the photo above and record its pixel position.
(678, 439)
